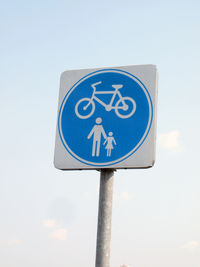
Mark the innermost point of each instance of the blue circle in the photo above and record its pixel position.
(129, 127)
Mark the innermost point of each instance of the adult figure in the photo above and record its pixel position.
(97, 131)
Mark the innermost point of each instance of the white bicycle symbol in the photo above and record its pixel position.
(85, 107)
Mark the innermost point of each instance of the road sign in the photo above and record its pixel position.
(107, 118)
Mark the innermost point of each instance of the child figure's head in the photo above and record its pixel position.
(110, 133)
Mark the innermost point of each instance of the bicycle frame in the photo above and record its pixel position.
(109, 106)
(125, 103)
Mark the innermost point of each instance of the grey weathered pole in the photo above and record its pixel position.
(104, 218)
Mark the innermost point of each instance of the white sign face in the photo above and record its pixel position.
(107, 118)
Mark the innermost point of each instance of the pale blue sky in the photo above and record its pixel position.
(156, 211)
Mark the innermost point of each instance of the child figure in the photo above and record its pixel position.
(110, 140)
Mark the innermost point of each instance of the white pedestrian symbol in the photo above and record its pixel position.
(110, 140)
(124, 108)
(97, 131)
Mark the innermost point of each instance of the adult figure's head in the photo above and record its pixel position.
(98, 120)
(110, 133)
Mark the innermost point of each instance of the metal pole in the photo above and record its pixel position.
(104, 218)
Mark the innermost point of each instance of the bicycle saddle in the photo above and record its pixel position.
(117, 86)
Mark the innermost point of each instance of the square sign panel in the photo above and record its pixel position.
(107, 118)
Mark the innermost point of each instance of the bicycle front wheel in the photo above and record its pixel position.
(125, 107)
(84, 108)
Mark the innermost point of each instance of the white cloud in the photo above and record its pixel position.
(12, 242)
(191, 245)
(125, 196)
(49, 223)
(170, 141)
(59, 234)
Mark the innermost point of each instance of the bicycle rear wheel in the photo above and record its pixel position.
(125, 107)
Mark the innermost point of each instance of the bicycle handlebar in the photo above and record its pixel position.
(95, 84)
